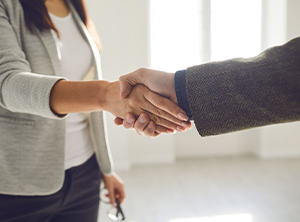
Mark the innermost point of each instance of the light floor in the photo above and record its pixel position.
(264, 190)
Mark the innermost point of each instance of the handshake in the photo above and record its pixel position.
(225, 96)
(151, 107)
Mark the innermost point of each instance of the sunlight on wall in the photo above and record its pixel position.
(174, 34)
(235, 28)
(176, 31)
(224, 218)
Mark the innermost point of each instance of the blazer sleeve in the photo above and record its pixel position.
(240, 93)
(100, 140)
(20, 89)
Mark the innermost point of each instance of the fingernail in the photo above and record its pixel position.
(169, 131)
(186, 125)
(179, 128)
(149, 126)
(143, 119)
(183, 116)
(128, 119)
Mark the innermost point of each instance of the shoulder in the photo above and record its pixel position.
(10, 4)
(11, 13)
(12, 8)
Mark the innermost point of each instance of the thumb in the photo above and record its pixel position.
(130, 80)
(111, 196)
(125, 87)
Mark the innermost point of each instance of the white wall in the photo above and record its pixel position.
(124, 30)
(280, 24)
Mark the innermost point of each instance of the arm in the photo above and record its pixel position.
(47, 95)
(78, 96)
(240, 93)
(20, 89)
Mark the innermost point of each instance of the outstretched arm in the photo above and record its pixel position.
(78, 96)
(243, 93)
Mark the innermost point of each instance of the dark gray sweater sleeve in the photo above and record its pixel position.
(243, 93)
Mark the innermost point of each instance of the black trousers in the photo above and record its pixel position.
(77, 201)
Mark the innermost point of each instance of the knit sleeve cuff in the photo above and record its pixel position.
(180, 88)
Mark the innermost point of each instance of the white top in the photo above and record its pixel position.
(76, 60)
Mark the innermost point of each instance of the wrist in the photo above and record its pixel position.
(172, 90)
(106, 94)
(180, 90)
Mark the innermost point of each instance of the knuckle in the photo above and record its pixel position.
(139, 88)
(142, 70)
(133, 101)
(156, 119)
(173, 110)
(128, 126)
(158, 112)
(159, 101)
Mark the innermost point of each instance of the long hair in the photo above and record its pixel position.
(36, 15)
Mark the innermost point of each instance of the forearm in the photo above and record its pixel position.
(78, 96)
(239, 94)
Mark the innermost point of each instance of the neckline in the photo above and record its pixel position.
(58, 17)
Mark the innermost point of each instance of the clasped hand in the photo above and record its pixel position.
(148, 112)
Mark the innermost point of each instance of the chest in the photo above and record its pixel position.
(73, 51)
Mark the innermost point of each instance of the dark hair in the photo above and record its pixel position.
(36, 15)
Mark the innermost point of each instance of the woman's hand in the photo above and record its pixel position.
(143, 125)
(88, 96)
(162, 111)
(115, 187)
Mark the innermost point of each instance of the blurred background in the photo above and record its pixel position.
(248, 176)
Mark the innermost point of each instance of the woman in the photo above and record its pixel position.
(51, 162)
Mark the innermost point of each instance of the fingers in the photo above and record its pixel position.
(141, 123)
(129, 120)
(164, 119)
(166, 105)
(144, 126)
(166, 123)
(149, 130)
(120, 194)
(152, 130)
(118, 121)
(125, 87)
(111, 195)
(142, 99)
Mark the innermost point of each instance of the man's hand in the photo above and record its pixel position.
(157, 81)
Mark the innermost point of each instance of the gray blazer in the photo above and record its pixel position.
(239, 94)
(32, 137)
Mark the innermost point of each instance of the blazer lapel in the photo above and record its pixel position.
(51, 47)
